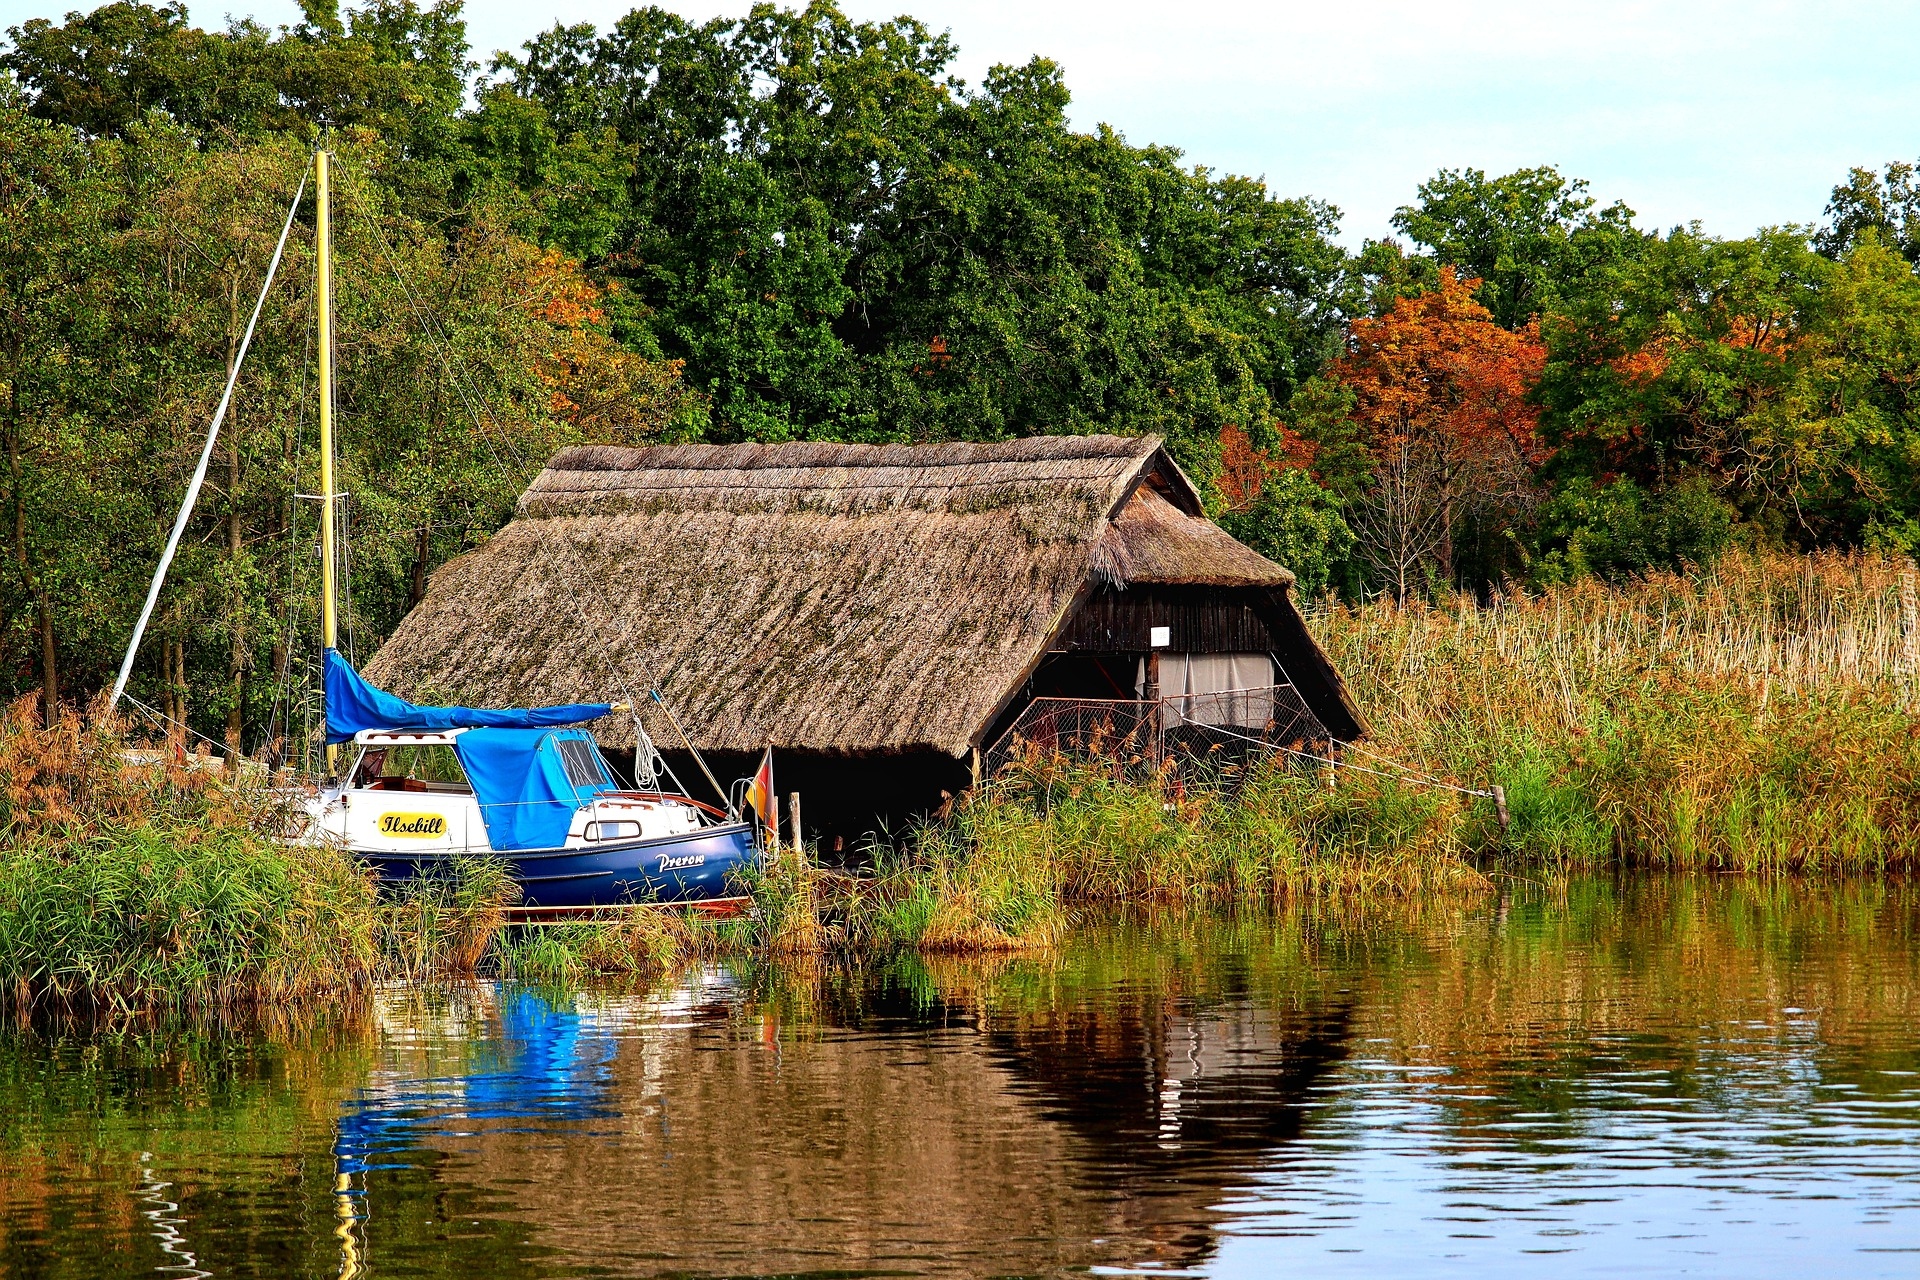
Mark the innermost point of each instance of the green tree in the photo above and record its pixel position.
(1294, 522)
(1885, 206)
(1780, 379)
(390, 65)
(1621, 527)
(128, 266)
(1532, 237)
(842, 241)
(57, 287)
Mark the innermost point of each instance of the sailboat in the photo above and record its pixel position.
(425, 786)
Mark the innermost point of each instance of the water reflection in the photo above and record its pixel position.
(1175, 1099)
(533, 1062)
(1648, 1075)
(882, 1123)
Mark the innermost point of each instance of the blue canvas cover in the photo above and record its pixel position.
(353, 705)
(521, 783)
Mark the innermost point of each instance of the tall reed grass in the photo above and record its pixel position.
(134, 878)
(1756, 714)
(1050, 834)
(1752, 715)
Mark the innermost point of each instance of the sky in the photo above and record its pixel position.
(1737, 115)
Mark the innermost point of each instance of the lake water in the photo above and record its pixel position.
(1642, 1077)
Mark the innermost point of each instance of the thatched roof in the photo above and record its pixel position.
(1150, 540)
(822, 596)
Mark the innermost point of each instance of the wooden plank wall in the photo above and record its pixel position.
(1202, 619)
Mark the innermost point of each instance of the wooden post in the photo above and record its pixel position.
(1910, 630)
(1500, 806)
(1151, 692)
(793, 821)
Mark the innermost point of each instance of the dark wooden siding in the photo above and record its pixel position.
(1202, 620)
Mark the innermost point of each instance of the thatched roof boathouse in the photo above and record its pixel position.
(877, 614)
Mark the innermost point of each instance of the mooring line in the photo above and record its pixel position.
(161, 721)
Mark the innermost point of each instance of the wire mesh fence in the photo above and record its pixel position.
(1150, 738)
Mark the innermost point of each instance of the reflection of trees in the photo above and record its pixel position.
(173, 1137)
(1171, 1087)
(1530, 1002)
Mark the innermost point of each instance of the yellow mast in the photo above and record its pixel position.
(329, 622)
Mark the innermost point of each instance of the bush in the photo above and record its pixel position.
(1295, 523)
(1618, 529)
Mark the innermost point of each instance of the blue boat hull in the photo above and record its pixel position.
(688, 868)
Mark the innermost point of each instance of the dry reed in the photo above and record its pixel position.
(1755, 714)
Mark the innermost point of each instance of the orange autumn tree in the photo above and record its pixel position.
(1441, 412)
(596, 386)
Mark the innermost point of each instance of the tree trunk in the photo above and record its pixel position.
(49, 666)
(237, 650)
(43, 607)
(177, 680)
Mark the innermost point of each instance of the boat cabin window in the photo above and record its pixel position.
(410, 768)
(582, 763)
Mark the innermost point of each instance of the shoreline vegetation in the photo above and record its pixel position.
(1755, 717)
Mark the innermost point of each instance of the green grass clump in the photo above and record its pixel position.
(443, 924)
(150, 877)
(1075, 832)
(134, 880)
(1006, 870)
(151, 913)
(949, 892)
(644, 940)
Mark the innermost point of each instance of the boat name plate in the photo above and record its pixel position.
(418, 826)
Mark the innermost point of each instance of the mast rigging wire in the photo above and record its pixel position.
(206, 455)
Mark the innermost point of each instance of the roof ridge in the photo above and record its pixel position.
(806, 454)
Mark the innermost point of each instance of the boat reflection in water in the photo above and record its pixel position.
(542, 1064)
(890, 1128)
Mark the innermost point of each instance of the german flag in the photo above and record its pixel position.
(760, 790)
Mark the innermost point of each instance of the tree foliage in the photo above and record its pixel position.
(130, 264)
(1884, 206)
(790, 224)
(841, 240)
(1440, 440)
(1532, 237)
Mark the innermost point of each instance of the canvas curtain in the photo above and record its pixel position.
(521, 783)
(1215, 688)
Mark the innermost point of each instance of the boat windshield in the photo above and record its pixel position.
(431, 767)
